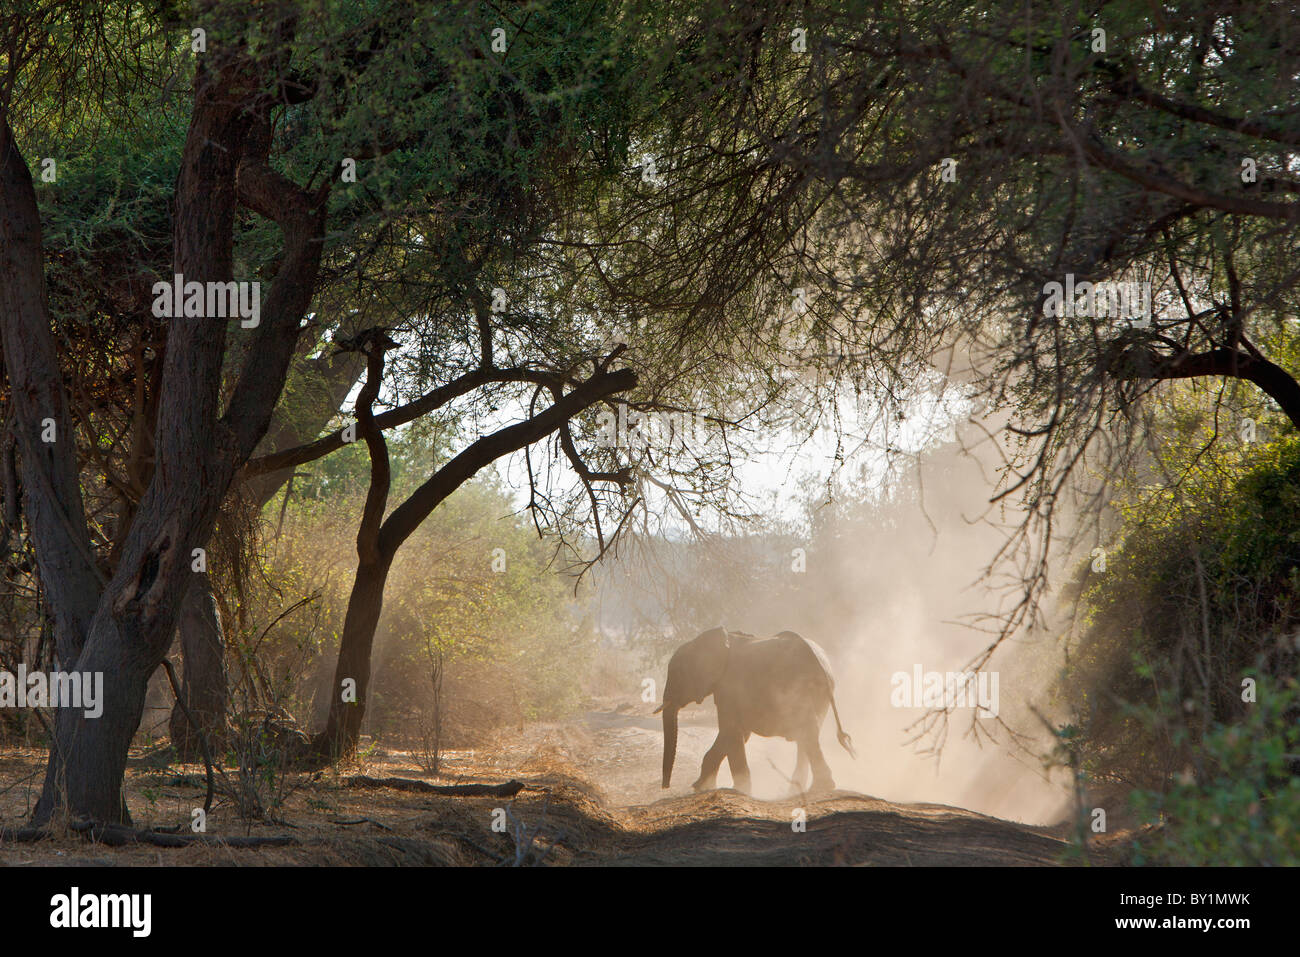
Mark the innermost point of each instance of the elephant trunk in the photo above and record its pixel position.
(670, 742)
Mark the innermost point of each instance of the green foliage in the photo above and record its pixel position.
(1201, 589)
(113, 197)
(263, 779)
(1243, 806)
(503, 620)
(1221, 544)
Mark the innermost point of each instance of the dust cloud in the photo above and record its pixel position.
(889, 588)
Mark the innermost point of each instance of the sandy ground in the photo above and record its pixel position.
(592, 798)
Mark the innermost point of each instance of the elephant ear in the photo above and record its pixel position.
(696, 667)
(715, 647)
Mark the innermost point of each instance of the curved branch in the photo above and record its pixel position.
(1162, 182)
(429, 402)
(376, 344)
(1275, 381)
(406, 518)
(1132, 89)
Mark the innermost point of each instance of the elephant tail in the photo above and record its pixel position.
(845, 741)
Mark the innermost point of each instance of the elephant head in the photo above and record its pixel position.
(693, 673)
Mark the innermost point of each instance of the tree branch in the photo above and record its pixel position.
(431, 401)
(406, 518)
(1162, 182)
(1275, 381)
(1130, 88)
(376, 343)
(301, 218)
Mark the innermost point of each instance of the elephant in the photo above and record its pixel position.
(774, 687)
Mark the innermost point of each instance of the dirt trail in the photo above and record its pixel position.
(593, 799)
(622, 750)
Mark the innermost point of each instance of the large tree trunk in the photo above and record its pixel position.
(136, 617)
(42, 426)
(88, 756)
(204, 688)
(197, 448)
(82, 773)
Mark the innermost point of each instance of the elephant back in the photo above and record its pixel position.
(817, 651)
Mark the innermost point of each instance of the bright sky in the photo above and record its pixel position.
(772, 476)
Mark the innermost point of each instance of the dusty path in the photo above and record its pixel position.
(622, 749)
(593, 799)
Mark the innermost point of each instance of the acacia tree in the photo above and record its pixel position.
(278, 105)
(249, 75)
(568, 299)
(108, 231)
(1160, 151)
(122, 626)
(962, 161)
(935, 176)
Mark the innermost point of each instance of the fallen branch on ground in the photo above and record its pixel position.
(509, 789)
(360, 820)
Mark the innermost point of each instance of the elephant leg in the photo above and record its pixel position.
(739, 765)
(822, 778)
(800, 774)
(708, 779)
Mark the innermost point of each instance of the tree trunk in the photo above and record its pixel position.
(42, 428)
(378, 542)
(88, 754)
(198, 450)
(365, 604)
(204, 688)
(195, 459)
